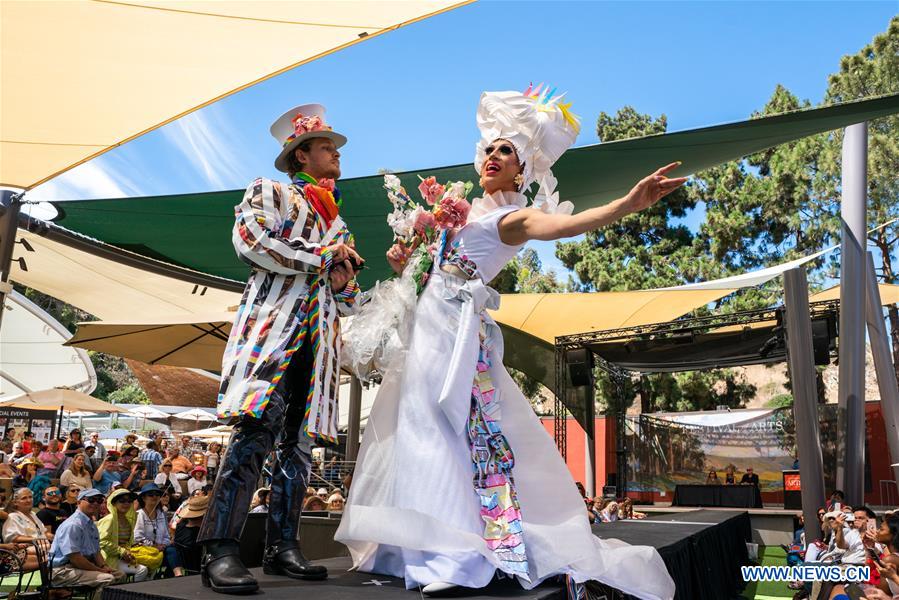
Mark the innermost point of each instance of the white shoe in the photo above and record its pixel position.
(438, 587)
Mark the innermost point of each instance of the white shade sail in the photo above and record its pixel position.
(32, 355)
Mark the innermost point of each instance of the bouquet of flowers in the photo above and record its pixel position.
(421, 228)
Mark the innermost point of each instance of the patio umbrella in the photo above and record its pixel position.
(195, 413)
(80, 414)
(147, 412)
(60, 400)
(220, 433)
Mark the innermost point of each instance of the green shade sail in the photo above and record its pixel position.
(194, 230)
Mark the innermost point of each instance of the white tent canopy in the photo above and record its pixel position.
(32, 355)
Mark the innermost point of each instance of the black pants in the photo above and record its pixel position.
(252, 441)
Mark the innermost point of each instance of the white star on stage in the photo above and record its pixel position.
(375, 582)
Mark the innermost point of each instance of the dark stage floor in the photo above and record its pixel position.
(702, 549)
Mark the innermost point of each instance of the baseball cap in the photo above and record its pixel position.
(89, 492)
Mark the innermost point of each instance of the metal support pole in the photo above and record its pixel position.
(355, 416)
(851, 420)
(590, 442)
(10, 205)
(805, 392)
(883, 364)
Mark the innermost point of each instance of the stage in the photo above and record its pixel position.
(702, 549)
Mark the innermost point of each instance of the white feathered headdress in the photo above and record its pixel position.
(540, 126)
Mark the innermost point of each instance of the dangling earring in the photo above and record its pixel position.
(519, 181)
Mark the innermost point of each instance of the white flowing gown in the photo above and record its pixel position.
(412, 511)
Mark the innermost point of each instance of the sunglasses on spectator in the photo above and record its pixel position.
(153, 494)
(95, 500)
(52, 492)
(124, 499)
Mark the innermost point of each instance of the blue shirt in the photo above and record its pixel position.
(106, 481)
(78, 534)
(152, 459)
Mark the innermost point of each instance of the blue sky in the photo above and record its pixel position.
(407, 99)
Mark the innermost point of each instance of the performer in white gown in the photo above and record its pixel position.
(456, 478)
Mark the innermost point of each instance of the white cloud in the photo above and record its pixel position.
(94, 179)
(206, 139)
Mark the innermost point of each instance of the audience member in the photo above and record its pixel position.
(117, 535)
(167, 480)
(10, 435)
(610, 513)
(336, 502)
(712, 478)
(27, 472)
(110, 472)
(846, 543)
(69, 502)
(837, 498)
(17, 456)
(213, 458)
(152, 528)
(259, 504)
(28, 441)
(74, 445)
(314, 504)
(180, 464)
(22, 525)
(51, 458)
(197, 479)
(99, 450)
(77, 474)
(750, 477)
(52, 514)
(151, 459)
(187, 529)
(75, 552)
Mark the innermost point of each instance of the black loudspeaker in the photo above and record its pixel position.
(824, 332)
(580, 366)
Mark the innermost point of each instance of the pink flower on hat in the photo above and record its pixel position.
(303, 124)
(430, 190)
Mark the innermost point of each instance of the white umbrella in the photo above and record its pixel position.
(195, 413)
(147, 412)
(220, 433)
(80, 414)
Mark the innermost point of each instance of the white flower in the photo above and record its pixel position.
(401, 223)
(392, 182)
(456, 189)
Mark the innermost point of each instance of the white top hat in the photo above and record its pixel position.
(297, 125)
(540, 126)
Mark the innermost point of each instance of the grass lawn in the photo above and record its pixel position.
(769, 590)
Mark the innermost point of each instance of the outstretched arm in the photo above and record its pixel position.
(530, 224)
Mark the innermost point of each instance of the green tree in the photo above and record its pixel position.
(130, 394)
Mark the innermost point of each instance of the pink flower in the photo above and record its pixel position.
(328, 184)
(424, 222)
(452, 212)
(430, 190)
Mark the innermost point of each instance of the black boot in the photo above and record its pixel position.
(289, 561)
(224, 572)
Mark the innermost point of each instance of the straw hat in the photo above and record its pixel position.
(297, 125)
(196, 507)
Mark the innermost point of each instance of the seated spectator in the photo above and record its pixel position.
(180, 464)
(27, 472)
(259, 504)
(52, 514)
(69, 502)
(130, 440)
(336, 502)
(77, 474)
(28, 441)
(323, 494)
(846, 544)
(627, 510)
(750, 477)
(22, 526)
(712, 478)
(98, 454)
(314, 504)
(117, 535)
(90, 457)
(74, 445)
(51, 458)
(75, 552)
(610, 513)
(888, 536)
(151, 459)
(197, 479)
(17, 456)
(152, 528)
(599, 504)
(111, 472)
(187, 529)
(168, 482)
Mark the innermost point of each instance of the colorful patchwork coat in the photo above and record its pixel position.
(288, 300)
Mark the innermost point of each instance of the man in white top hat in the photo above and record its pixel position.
(281, 364)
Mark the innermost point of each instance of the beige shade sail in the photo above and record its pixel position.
(56, 398)
(110, 289)
(889, 294)
(80, 77)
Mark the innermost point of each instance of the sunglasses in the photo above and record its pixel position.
(124, 500)
(504, 149)
(153, 495)
(53, 493)
(95, 500)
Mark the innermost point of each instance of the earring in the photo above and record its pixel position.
(519, 181)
